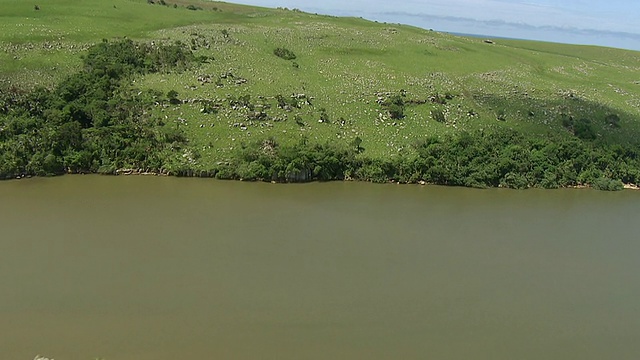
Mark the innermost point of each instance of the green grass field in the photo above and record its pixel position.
(343, 65)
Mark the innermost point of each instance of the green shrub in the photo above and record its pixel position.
(612, 120)
(438, 116)
(172, 96)
(607, 184)
(583, 129)
(501, 115)
(324, 117)
(284, 53)
(395, 106)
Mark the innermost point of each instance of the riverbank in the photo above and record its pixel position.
(205, 175)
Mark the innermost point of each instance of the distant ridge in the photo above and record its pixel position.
(479, 36)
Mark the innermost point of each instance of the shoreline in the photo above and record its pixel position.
(205, 174)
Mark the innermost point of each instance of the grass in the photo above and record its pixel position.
(343, 65)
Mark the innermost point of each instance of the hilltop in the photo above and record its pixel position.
(378, 95)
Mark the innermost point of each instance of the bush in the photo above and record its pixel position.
(356, 144)
(395, 106)
(324, 117)
(613, 120)
(52, 165)
(172, 96)
(284, 53)
(607, 184)
(501, 115)
(581, 128)
(584, 130)
(287, 102)
(438, 116)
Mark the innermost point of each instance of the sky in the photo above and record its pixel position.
(608, 23)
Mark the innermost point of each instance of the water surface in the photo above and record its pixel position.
(144, 268)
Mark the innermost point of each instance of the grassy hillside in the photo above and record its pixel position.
(344, 71)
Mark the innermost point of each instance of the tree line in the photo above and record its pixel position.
(500, 158)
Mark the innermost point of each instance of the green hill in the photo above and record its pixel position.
(380, 95)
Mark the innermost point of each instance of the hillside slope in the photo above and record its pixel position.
(380, 87)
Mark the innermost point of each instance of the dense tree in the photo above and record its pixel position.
(92, 120)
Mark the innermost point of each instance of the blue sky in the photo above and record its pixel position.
(608, 23)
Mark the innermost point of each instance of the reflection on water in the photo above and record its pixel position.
(138, 268)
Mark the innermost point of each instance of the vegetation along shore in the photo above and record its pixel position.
(237, 92)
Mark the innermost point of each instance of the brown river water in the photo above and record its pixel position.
(148, 268)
